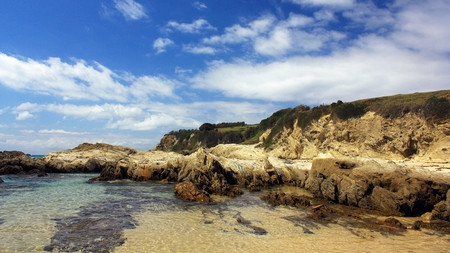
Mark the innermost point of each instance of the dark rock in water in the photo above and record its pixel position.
(281, 198)
(417, 224)
(395, 223)
(99, 227)
(255, 229)
(16, 162)
(188, 191)
(258, 230)
(1, 180)
(440, 226)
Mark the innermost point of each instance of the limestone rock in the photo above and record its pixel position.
(188, 191)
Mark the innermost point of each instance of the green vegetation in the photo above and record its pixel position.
(432, 106)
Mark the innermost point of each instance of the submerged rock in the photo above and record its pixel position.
(281, 198)
(188, 191)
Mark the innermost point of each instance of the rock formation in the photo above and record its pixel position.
(16, 162)
(189, 191)
(386, 187)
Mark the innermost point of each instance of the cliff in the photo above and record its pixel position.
(395, 127)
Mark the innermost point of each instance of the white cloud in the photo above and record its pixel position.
(369, 16)
(194, 27)
(24, 115)
(78, 80)
(4, 110)
(238, 34)
(59, 131)
(199, 5)
(130, 9)
(344, 3)
(375, 66)
(160, 44)
(423, 25)
(199, 49)
(41, 144)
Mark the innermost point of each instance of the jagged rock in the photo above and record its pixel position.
(373, 186)
(188, 191)
(87, 158)
(370, 135)
(441, 210)
(16, 162)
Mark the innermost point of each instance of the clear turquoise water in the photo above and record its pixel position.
(64, 213)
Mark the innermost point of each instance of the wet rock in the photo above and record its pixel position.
(17, 162)
(188, 191)
(395, 223)
(281, 198)
(1, 180)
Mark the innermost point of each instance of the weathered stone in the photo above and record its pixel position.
(441, 210)
(281, 198)
(188, 191)
(370, 185)
(16, 162)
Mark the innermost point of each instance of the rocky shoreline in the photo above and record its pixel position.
(394, 188)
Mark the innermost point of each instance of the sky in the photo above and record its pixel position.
(126, 72)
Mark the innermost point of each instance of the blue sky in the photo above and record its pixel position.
(126, 72)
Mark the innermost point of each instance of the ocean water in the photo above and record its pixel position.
(64, 213)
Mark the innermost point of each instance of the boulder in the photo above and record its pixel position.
(189, 192)
(17, 162)
(441, 210)
(368, 184)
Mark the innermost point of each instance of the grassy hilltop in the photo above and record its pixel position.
(432, 106)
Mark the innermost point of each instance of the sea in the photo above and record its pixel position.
(66, 213)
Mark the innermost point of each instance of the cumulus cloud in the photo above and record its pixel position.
(199, 49)
(373, 67)
(238, 33)
(24, 115)
(160, 44)
(195, 27)
(130, 9)
(272, 37)
(424, 26)
(79, 80)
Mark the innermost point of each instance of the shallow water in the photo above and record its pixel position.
(62, 212)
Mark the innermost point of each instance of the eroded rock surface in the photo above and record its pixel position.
(368, 184)
(188, 191)
(17, 162)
